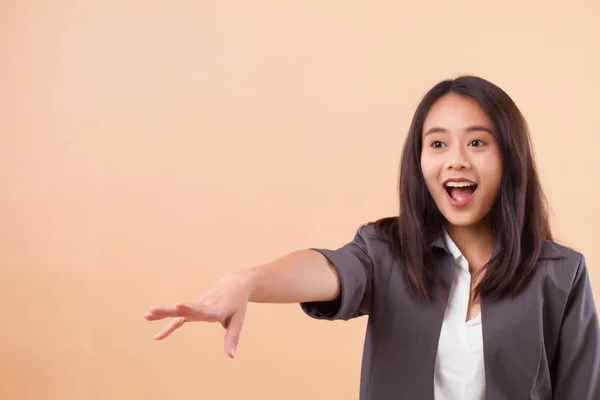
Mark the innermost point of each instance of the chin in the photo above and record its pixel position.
(462, 220)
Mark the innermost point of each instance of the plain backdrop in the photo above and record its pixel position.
(149, 147)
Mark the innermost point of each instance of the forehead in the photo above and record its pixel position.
(455, 112)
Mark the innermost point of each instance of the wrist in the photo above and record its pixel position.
(248, 278)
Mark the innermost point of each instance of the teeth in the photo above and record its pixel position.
(459, 184)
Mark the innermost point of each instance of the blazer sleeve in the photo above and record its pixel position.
(577, 368)
(354, 267)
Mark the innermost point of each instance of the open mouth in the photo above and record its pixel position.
(460, 192)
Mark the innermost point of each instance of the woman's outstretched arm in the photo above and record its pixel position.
(302, 276)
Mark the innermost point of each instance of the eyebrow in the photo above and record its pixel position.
(472, 128)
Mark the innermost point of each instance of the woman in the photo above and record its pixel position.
(466, 293)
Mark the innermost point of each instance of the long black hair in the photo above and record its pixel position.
(519, 216)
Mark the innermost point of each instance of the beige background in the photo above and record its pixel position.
(146, 148)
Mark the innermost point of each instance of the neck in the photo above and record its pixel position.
(475, 242)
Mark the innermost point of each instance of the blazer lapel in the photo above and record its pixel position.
(512, 346)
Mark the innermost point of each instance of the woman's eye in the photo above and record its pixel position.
(476, 143)
(437, 144)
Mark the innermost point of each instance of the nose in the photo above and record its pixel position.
(457, 159)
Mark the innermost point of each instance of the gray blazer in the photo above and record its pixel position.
(542, 344)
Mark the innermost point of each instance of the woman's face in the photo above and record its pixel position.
(460, 160)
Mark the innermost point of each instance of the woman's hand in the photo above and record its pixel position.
(226, 303)
(301, 276)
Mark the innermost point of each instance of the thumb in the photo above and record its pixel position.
(232, 335)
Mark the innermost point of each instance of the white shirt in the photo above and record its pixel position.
(459, 367)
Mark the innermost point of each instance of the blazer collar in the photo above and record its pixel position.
(549, 251)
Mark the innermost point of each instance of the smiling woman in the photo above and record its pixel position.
(467, 295)
(466, 172)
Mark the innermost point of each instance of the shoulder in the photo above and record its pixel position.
(383, 230)
(560, 254)
(563, 264)
(377, 239)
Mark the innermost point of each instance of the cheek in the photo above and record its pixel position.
(492, 172)
(430, 173)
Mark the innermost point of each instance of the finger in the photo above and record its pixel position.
(156, 313)
(170, 328)
(232, 335)
(198, 312)
(187, 310)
